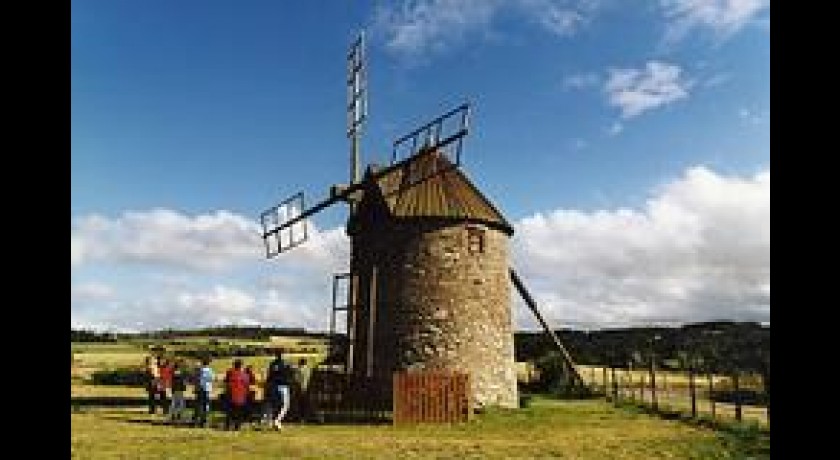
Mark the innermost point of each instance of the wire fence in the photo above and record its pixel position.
(713, 397)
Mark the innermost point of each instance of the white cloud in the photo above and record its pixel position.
(699, 250)
(218, 305)
(616, 128)
(220, 246)
(164, 237)
(220, 300)
(581, 80)
(417, 29)
(722, 17)
(160, 236)
(90, 291)
(77, 251)
(325, 250)
(636, 91)
(562, 18)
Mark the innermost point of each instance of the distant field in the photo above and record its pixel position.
(669, 378)
(89, 357)
(122, 347)
(111, 359)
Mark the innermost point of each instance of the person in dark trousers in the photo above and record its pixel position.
(179, 387)
(251, 411)
(236, 385)
(203, 390)
(277, 392)
(165, 372)
(153, 383)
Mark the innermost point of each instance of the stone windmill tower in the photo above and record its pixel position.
(429, 280)
(435, 252)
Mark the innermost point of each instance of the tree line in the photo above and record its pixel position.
(732, 349)
(233, 332)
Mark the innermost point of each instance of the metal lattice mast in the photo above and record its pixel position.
(356, 102)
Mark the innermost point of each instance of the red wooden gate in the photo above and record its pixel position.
(431, 396)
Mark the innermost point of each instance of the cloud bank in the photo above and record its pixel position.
(699, 249)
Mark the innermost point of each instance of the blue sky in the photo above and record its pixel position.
(189, 118)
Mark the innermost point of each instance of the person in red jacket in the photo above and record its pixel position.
(237, 384)
(165, 372)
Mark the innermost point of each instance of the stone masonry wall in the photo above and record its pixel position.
(439, 305)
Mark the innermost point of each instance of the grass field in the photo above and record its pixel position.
(547, 429)
(116, 425)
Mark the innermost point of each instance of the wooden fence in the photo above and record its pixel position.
(696, 396)
(431, 397)
(335, 396)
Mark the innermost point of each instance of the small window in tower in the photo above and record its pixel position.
(475, 240)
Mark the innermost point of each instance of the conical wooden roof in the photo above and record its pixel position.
(431, 186)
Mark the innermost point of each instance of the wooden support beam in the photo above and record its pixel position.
(352, 316)
(532, 305)
(371, 320)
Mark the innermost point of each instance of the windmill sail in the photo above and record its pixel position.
(284, 225)
(437, 134)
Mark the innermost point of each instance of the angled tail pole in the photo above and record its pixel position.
(526, 296)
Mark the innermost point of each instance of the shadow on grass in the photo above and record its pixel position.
(108, 401)
(128, 401)
(137, 421)
(80, 404)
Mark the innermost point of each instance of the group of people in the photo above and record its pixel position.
(168, 380)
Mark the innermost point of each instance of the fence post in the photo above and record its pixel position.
(604, 379)
(736, 384)
(653, 382)
(642, 389)
(614, 385)
(711, 391)
(692, 390)
(765, 381)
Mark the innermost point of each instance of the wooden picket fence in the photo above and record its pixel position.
(431, 397)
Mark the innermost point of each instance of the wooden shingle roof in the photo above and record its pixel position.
(430, 186)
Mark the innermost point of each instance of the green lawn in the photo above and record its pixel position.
(547, 429)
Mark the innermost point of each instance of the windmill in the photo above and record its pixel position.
(429, 276)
